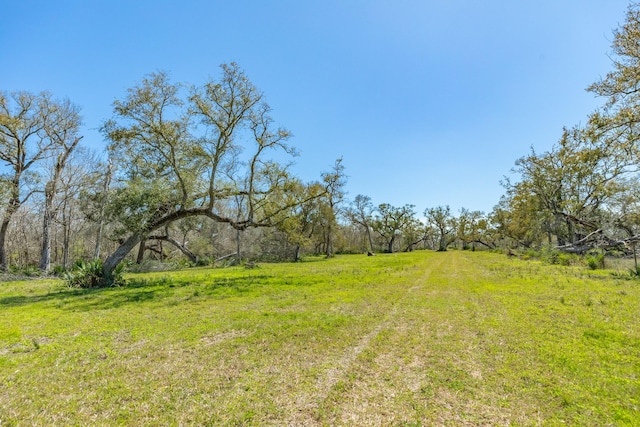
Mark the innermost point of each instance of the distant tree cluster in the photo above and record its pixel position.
(390, 228)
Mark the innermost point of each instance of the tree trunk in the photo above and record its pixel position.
(45, 254)
(571, 235)
(328, 249)
(105, 191)
(141, 249)
(119, 254)
(12, 207)
(391, 241)
(96, 252)
(296, 255)
(370, 238)
(66, 241)
(222, 258)
(238, 241)
(442, 247)
(66, 233)
(4, 262)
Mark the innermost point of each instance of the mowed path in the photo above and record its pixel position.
(419, 364)
(357, 389)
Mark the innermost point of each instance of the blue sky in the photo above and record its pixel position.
(428, 102)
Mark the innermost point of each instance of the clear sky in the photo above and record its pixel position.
(428, 102)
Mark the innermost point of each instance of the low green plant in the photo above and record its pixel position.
(531, 254)
(549, 255)
(635, 272)
(29, 270)
(90, 274)
(58, 271)
(568, 259)
(203, 261)
(595, 261)
(32, 271)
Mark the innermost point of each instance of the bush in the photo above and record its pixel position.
(58, 271)
(550, 255)
(203, 261)
(566, 259)
(32, 271)
(87, 275)
(635, 272)
(595, 261)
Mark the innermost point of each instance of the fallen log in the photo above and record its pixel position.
(222, 258)
(597, 239)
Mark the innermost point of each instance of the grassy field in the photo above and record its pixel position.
(424, 338)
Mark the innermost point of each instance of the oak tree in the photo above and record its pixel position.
(180, 155)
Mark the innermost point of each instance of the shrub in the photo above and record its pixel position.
(531, 253)
(203, 261)
(32, 271)
(567, 259)
(87, 275)
(550, 255)
(58, 271)
(595, 261)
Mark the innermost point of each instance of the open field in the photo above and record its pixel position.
(424, 338)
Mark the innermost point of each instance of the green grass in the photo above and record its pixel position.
(424, 338)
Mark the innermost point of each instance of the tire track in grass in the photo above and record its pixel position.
(308, 408)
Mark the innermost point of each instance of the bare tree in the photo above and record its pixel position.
(62, 131)
(24, 142)
(334, 183)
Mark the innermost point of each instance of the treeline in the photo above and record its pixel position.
(190, 167)
(195, 173)
(187, 177)
(584, 192)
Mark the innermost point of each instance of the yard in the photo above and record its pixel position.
(422, 338)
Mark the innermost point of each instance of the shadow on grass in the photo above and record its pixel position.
(137, 291)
